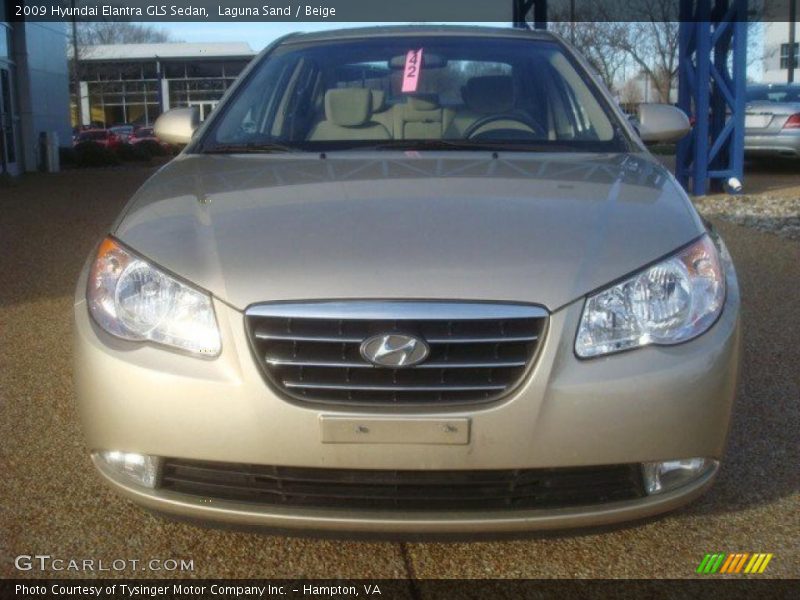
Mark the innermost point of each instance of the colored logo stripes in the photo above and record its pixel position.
(742, 562)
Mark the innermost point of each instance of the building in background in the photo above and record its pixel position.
(34, 90)
(776, 52)
(135, 83)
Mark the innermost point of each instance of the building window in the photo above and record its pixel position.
(203, 70)
(132, 101)
(182, 92)
(5, 41)
(174, 70)
(131, 92)
(785, 55)
(234, 68)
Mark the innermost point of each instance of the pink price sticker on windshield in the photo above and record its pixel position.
(412, 69)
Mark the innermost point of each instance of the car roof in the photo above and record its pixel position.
(335, 35)
(767, 86)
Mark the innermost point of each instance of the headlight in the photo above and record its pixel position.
(670, 302)
(133, 300)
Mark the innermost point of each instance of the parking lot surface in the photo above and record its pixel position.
(51, 501)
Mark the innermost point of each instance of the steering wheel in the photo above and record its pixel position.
(472, 130)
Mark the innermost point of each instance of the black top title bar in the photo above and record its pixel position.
(389, 11)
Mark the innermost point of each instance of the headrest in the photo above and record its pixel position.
(489, 93)
(378, 97)
(348, 107)
(423, 102)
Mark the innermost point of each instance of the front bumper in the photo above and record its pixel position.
(655, 403)
(404, 523)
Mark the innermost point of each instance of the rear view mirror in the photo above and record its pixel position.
(429, 61)
(177, 126)
(662, 123)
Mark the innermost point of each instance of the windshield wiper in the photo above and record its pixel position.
(421, 145)
(250, 148)
(453, 145)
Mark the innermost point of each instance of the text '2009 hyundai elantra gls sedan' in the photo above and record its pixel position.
(410, 280)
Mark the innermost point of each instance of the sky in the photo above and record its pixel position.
(259, 35)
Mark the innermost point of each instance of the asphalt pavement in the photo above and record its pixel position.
(52, 502)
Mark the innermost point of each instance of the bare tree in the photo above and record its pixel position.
(647, 38)
(630, 93)
(114, 32)
(593, 41)
(613, 34)
(110, 32)
(651, 42)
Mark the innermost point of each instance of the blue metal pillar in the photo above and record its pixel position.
(711, 89)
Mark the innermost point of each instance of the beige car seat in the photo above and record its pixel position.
(421, 118)
(348, 113)
(486, 95)
(380, 114)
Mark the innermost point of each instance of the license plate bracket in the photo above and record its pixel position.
(336, 429)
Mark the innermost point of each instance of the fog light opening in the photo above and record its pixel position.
(664, 476)
(142, 469)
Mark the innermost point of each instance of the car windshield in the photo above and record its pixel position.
(774, 93)
(410, 92)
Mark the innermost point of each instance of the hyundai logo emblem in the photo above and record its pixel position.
(394, 350)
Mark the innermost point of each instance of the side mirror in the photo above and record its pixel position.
(177, 126)
(662, 123)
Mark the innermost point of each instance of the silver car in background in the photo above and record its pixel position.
(410, 280)
(772, 120)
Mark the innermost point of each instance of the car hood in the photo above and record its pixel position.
(535, 228)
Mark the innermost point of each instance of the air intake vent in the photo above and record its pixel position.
(403, 490)
(476, 351)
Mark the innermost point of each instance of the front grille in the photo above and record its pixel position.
(403, 490)
(478, 351)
